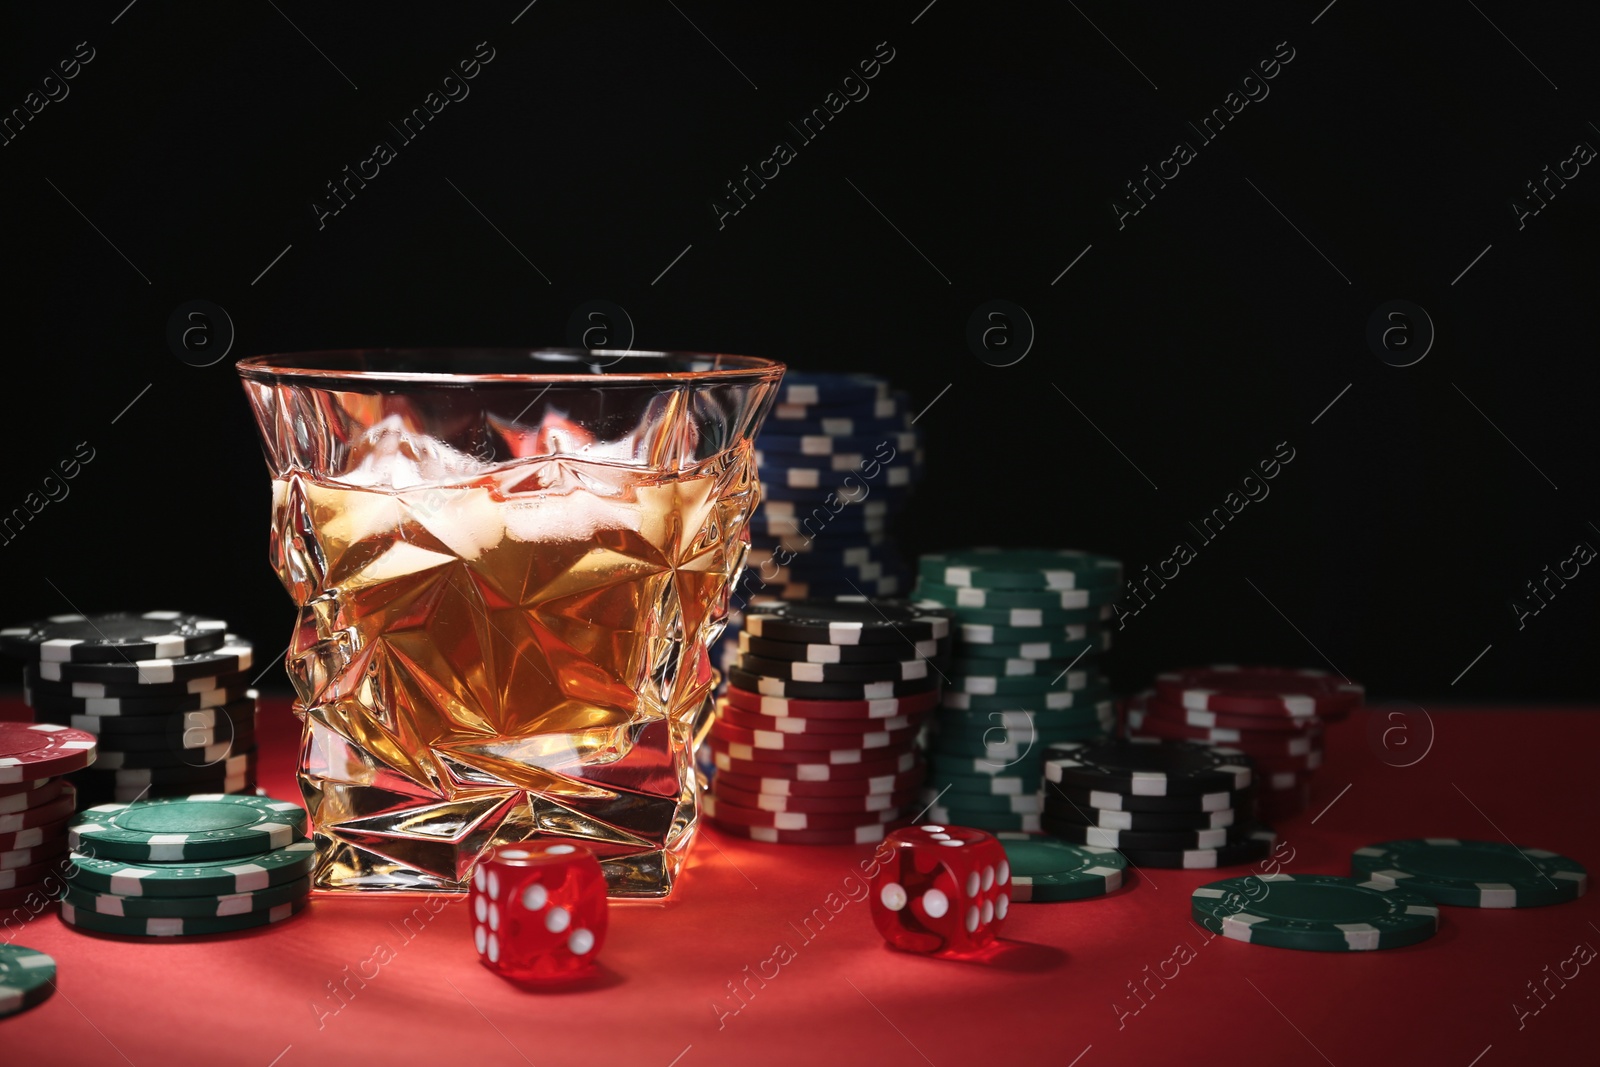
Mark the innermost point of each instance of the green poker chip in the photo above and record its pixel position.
(172, 926)
(1473, 874)
(27, 978)
(1088, 617)
(950, 815)
(990, 685)
(216, 907)
(1317, 912)
(1073, 641)
(949, 800)
(1091, 604)
(1053, 700)
(994, 785)
(1022, 720)
(1021, 568)
(1012, 667)
(1014, 745)
(1045, 869)
(177, 829)
(205, 878)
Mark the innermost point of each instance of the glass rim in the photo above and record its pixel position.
(321, 366)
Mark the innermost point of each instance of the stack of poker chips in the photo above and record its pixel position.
(1159, 803)
(1276, 716)
(173, 867)
(814, 741)
(166, 694)
(1029, 625)
(36, 806)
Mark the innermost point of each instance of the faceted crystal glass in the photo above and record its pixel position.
(508, 566)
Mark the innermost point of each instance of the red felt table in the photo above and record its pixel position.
(351, 982)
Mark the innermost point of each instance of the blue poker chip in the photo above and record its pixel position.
(827, 444)
(892, 485)
(843, 462)
(826, 422)
(814, 388)
(820, 522)
(786, 510)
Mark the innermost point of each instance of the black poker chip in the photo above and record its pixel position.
(234, 655)
(114, 637)
(848, 620)
(777, 687)
(53, 705)
(1147, 767)
(134, 696)
(1247, 845)
(1062, 811)
(239, 714)
(197, 761)
(1106, 837)
(1110, 800)
(825, 653)
(180, 742)
(199, 777)
(797, 671)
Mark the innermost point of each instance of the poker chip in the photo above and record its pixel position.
(235, 766)
(884, 407)
(847, 787)
(30, 856)
(1017, 745)
(801, 671)
(23, 788)
(778, 687)
(1152, 708)
(132, 708)
(1260, 691)
(1063, 812)
(1247, 844)
(49, 789)
(942, 763)
(1059, 699)
(61, 807)
(233, 656)
(1045, 869)
(1250, 742)
(27, 876)
(840, 729)
(1136, 840)
(1014, 668)
(861, 835)
(1144, 767)
(43, 835)
(879, 708)
(176, 927)
(1472, 874)
(1318, 912)
(849, 621)
(813, 772)
(977, 820)
(115, 637)
(195, 878)
(35, 896)
(162, 758)
(722, 811)
(197, 907)
(840, 653)
(204, 826)
(205, 683)
(988, 784)
(1020, 618)
(774, 740)
(1066, 642)
(1000, 568)
(1269, 765)
(864, 804)
(1100, 713)
(1025, 804)
(826, 444)
(835, 756)
(810, 387)
(27, 978)
(32, 751)
(235, 717)
(991, 685)
(1110, 800)
(1066, 653)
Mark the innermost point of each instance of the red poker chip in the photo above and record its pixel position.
(832, 756)
(59, 808)
(882, 708)
(814, 772)
(20, 788)
(1280, 781)
(15, 877)
(1251, 742)
(29, 892)
(12, 858)
(48, 791)
(1279, 691)
(723, 811)
(1155, 706)
(814, 805)
(861, 835)
(723, 730)
(33, 750)
(1294, 764)
(747, 720)
(844, 787)
(44, 835)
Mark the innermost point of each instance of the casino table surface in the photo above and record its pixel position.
(767, 955)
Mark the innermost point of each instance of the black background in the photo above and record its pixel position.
(1219, 321)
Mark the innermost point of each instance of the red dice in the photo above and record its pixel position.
(941, 889)
(538, 910)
